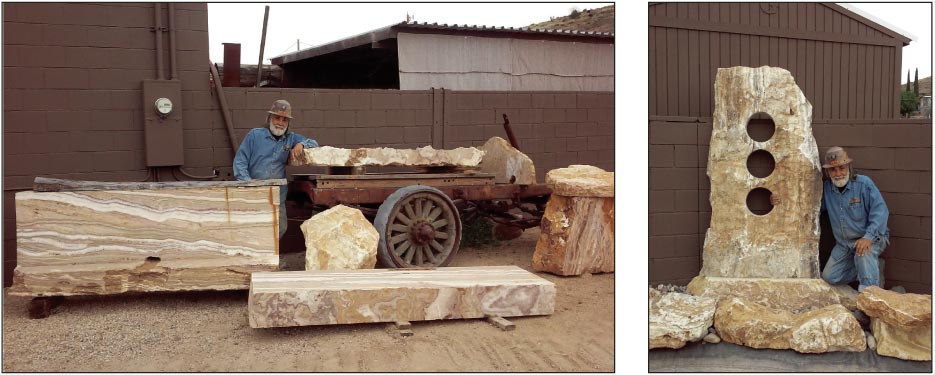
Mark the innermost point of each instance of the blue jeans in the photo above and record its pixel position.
(844, 266)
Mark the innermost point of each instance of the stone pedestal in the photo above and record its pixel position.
(339, 238)
(577, 231)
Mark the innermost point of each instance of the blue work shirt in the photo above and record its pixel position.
(262, 157)
(857, 211)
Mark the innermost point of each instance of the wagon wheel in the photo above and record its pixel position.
(419, 226)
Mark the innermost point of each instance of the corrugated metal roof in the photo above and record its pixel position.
(388, 32)
(436, 26)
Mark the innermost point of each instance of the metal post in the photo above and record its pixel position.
(259, 65)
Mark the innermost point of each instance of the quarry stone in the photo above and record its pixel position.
(677, 318)
(792, 295)
(506, 163)
(340, 238)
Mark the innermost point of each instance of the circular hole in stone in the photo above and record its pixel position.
(758, 201)
(761, 127)
(760, 163)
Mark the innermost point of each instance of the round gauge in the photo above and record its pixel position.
(163, 106)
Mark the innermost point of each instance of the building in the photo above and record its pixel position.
(420, 56)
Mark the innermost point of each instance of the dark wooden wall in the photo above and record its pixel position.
(847, 68)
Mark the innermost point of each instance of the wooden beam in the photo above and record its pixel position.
(302, 298)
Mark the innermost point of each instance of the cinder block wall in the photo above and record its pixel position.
(72, 105)
(896, 154)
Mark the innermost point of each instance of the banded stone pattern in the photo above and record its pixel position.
(577, 236)
(303, 298)
(113, 241)
(423, 156)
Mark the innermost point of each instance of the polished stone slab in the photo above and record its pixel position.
(155, 238)
(302, 298)
(382, 156)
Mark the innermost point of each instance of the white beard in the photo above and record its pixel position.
(840, 182)
(276, 131)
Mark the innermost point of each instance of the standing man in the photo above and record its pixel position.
(264, 152)
(858, 220)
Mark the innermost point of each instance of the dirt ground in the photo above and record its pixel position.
(208, 331)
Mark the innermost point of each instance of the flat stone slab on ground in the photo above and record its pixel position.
(831, 328)
(424, 156)
(302, 298)
(148, 237)
(677, 318)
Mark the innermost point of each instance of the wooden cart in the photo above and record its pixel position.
(419, 214)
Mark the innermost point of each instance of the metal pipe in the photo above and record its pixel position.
(509, 132)
(224, 112)
(259, 65)
(158, 31)
(173, 73)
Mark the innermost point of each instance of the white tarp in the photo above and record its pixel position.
(503, 64)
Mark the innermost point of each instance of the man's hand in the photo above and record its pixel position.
(774, 199)
(862, 246)
(298, 153)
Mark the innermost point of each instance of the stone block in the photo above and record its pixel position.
(782, 243)
(904, 310)
(910, 343)
(676, 319)
(581, 181)
(577, 236)
(141, 237)
(791, 295)
(507, 164)
(829, 329)
(339, 238)
(302, 298)
(423, 156)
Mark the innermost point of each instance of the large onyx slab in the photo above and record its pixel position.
(85, 237)
(382, 156)
(747, 236)
(303, 298)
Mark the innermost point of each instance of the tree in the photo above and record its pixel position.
(909, 103)
(907, 81)
(915, 86)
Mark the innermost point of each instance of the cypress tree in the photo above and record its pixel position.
(915, 86)
(907, 81)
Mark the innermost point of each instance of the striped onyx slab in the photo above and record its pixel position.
(303, 298)
(150, 238)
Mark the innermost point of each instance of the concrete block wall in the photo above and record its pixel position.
(72, 92)
(896, 154)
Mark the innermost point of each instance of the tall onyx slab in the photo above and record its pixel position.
(782, 243)
(83, 237)
(303, 298)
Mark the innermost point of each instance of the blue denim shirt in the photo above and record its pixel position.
(858, 211)
(262, 157)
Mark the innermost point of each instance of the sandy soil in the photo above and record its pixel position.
(208, 331)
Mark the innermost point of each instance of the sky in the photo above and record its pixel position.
(316, 24)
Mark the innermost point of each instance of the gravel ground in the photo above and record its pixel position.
(208, 331)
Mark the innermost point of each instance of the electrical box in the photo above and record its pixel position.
(162, 122)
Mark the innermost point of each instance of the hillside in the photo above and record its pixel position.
(598, 20)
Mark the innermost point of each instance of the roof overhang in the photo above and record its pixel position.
(390, 32)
